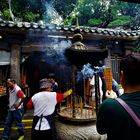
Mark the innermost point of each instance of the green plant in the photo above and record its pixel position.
(94, 22)
(29, 16)
(120, 21)
(6, 14)
(137, 46)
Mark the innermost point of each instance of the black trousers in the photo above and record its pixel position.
(41, 135)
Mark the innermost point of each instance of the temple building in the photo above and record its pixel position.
(20, 41)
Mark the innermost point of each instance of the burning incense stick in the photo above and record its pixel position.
(81, 106)
(93, 105)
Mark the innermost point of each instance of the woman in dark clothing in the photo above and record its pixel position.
(112, 118)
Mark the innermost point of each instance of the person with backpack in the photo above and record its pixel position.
(119, 117)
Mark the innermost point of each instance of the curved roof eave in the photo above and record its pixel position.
(55, 30)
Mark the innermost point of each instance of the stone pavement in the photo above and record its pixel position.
(65, 131)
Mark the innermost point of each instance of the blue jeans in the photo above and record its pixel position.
(12, 116)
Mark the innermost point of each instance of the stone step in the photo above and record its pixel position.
(27, 123)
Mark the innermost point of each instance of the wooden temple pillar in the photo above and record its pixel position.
(15, 62)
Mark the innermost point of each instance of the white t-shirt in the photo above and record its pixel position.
(13, 98)
(44, 104)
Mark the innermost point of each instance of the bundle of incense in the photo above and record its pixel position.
(70, 101)
(78, 97)
(81, 106)
(92, 105)
(89, 109)
(76, 104)
(59, 107)
(67, 102)
(108, 78)
(87, 87)
(71, 106)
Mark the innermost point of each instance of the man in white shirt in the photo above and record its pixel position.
(16, 98)
(44, 103)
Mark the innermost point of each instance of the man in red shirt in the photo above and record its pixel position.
(44, 103)
(16, 98)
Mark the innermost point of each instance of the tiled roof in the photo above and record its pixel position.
(132, 34)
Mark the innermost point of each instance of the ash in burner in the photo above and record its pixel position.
(83, 113)
(87, 114)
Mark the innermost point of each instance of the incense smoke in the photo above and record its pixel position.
(55, 52)
(88, 71)
(51, 15)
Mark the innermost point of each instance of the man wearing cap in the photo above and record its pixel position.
(44, 103)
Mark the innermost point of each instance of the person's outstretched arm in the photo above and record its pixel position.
(61, 96)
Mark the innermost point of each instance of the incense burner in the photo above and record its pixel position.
(76, 108)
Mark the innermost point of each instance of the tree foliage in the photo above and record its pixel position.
(64, 7)
(94, 22)
(120, 21)
(100, 13)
